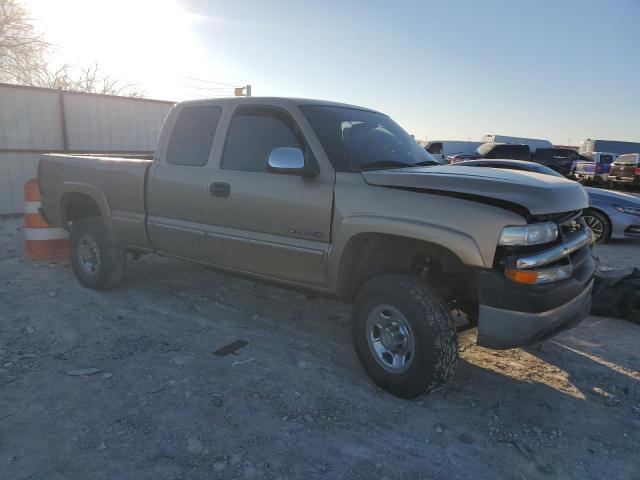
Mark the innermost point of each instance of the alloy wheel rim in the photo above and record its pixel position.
(390, 338)
(88, 254)
(595, 225)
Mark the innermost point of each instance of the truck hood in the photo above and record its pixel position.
(536, 193)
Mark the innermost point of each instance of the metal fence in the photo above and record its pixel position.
(34, 121)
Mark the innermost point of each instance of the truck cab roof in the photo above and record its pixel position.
(278, 101)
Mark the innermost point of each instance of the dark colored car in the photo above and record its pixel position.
(558, 159)
(625, 170)
(512, 151)
(611, 215)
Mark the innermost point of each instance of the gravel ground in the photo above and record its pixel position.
(123, 384)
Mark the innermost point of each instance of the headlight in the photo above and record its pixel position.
(533, 234)
(629, 210)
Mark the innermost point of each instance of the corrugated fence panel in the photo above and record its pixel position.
(15, 170)
(29, 119)
(109, 124)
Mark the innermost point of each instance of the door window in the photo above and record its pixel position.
(192, 136)
(435, 148)
(254, 132)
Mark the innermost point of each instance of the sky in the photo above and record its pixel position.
(564, 70)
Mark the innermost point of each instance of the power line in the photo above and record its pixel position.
(210, 81)
(226, 89)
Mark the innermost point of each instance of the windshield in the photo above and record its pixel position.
(627, 159)
(356, 139)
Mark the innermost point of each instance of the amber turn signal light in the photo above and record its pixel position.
(522, 276)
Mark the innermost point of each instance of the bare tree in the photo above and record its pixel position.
(86, 79)
(21, 48)
(22, 60)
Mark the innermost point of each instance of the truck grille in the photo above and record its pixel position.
(572, 235)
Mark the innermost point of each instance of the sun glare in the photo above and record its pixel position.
(141, 41)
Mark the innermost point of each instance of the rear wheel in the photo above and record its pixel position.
(404, 335)
(97, 263)
(598, 223)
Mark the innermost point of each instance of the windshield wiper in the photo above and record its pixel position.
(392, 164)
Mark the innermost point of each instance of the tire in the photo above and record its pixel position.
(97, 263)
(429, 349)
(599, 223)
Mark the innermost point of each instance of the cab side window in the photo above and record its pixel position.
(254, 132)
(192, 135)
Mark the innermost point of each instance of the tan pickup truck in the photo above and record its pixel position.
(340, 200)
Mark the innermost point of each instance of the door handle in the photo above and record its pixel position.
(220, 189)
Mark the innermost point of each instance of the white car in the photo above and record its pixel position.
(441, 149)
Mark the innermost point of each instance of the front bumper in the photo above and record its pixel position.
(512, 314)
(624, 225)
(592, 177)
(500, 328)
(626, 180)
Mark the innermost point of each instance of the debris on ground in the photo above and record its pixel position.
(82, 372)
(233, 347)
(616, 292)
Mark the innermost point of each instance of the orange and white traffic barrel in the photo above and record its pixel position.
(42, 241)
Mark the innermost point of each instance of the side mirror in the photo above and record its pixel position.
(289, 160)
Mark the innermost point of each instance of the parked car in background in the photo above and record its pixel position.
(559, 159)
(594, 168)
(441, 149)
(614, 146)
(611, 214)
(533, 143)
(625, 170)
(497, 150)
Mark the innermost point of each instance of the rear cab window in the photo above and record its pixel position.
(192, 135)
(508, 151)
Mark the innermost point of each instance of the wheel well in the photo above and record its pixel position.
(78, 205)
(367, 256)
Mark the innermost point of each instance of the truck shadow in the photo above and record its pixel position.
(590, 364)
(600, 360)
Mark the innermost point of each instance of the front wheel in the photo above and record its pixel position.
(404, 335)
(97, 263)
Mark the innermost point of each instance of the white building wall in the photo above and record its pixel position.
(100, 123)
(31, 124)
(29, 119)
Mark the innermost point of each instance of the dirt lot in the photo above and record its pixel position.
(123, 385)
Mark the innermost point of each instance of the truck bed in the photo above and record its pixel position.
(119, 180)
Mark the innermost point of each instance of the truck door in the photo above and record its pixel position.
(273, 224)
(178, 186)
